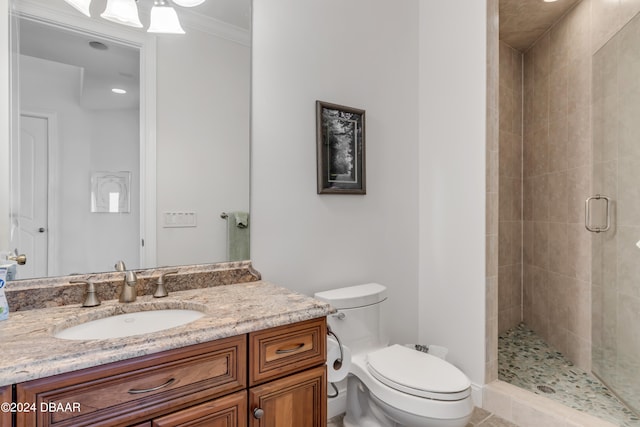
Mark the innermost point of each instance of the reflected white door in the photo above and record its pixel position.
(29, 190)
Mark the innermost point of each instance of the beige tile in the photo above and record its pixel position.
(526, 416)
(541, 244)
(492, 213)
(628, 133)
(496, 400)
(492, 255)
(628, 267)
(629, 314)
(628, 192)
(578, 189)
(579, 312)
(478, 416)
(605, 15)
(580, 255)
(527, 199)
(628, 10)
(542, 56)
(578, 22)
(557, 146)
(492, 176)
(506, 108)
(540, 197)
(579, 138)
(540, 103)
(527, 243)
(558, 199)
(579, 84)
(579, 351)
(559, 92)
(558, 248)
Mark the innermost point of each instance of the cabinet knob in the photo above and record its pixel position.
(258, 413)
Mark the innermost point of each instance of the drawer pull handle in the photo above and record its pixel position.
(258, 413)
(290, 350)
(148, 390)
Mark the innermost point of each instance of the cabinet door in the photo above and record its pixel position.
(228, 411)
(299, 400)
(5, 397)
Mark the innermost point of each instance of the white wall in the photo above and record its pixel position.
(88, 141)
(418, 69)
(202, 142)
(452, 179)
(363, 54)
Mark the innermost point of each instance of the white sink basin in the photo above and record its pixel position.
(125, 325)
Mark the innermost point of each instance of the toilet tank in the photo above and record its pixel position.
(358, 322)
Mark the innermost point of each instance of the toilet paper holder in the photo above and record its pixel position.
(338, 362)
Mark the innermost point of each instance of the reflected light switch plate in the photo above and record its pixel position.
(178, 219)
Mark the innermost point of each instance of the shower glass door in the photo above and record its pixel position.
(616, 251)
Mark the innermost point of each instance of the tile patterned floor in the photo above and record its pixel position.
(526, 361)
(480, 418)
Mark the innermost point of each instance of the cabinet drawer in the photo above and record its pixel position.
(286, 349)
(131, 391)
(228, 411)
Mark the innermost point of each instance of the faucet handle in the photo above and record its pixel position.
(161, 290)
(90, 298)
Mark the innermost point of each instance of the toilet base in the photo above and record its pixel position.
(364, 409)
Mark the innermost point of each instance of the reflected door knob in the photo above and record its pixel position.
(20, 259)
(258, 413)
(41, 230)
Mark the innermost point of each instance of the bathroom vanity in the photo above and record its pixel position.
(256, 358)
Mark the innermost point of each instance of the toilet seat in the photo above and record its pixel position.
(417, 373)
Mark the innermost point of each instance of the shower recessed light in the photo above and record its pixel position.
(118, 91)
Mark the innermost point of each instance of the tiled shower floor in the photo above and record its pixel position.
(526, 361)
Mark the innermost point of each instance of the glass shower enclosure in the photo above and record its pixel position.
(612, 213)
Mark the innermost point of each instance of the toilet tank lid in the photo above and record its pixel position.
(354, 296)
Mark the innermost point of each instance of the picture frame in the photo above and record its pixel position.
(110, 192)
(340, 145)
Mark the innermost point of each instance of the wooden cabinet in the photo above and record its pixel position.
(5, 397)
(135, 390)
(278, 373)
(280, 396)
(299, 400)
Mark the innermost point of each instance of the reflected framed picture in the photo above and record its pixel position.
(340, 145)
(110, 192)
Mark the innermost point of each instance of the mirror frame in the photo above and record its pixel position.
(146, 44)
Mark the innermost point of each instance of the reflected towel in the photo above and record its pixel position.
(238, 236)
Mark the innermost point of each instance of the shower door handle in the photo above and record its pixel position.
(587, 214)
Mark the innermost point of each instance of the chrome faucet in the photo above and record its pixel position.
(129, 288)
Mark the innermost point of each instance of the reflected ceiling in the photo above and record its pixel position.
(522, 22)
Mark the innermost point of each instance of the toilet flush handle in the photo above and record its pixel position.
(339, 316)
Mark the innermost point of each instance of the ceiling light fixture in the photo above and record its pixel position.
(163, 19)
(118, 91)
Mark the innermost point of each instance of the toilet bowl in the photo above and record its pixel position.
(392, 386)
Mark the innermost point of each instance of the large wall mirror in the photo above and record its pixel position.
(156, 176)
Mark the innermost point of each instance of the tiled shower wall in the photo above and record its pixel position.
(510, 189)
(557, 179)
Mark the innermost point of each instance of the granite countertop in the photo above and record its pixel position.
(30, 351)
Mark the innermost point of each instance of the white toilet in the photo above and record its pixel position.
(392, 386)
